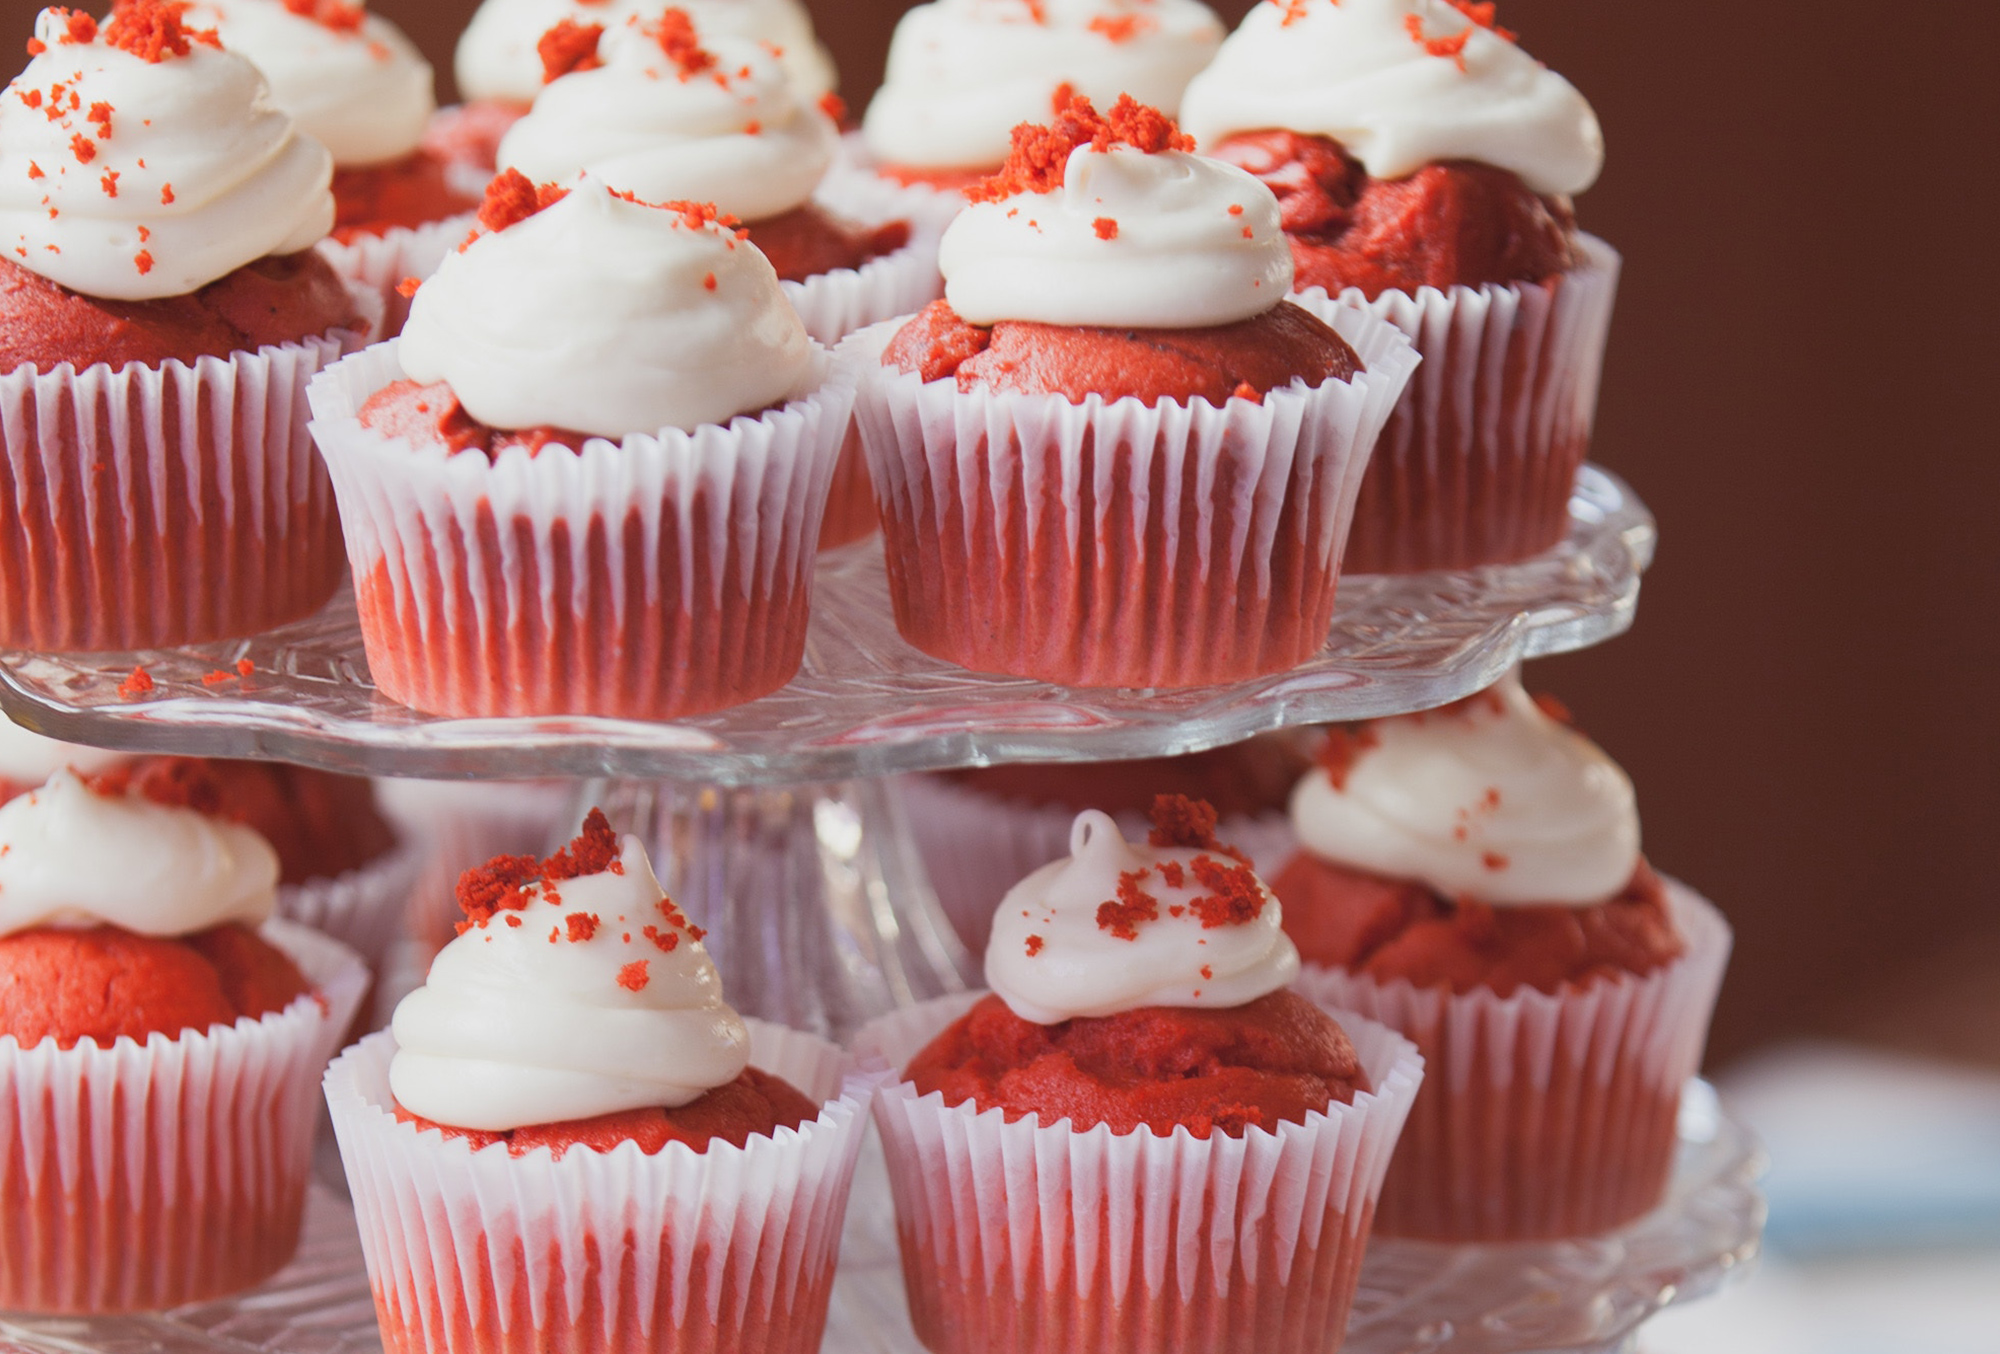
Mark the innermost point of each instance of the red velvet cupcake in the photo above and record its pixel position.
(656, 108)
(159, 1051)
(1114, 455)
(1472, 878)
(1069, 1155)
(564, 1143)
(160, 315)
(1425, 165)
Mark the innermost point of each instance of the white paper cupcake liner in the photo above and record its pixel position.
(366, 909)
(1022, 1238)
(1477, 464)
(977, 846)
(505, 587)
(1543, 1116)
(163, 505)
(379, 263)
(143, 1176)
(855, 178)
(1118, 544)
(727, 1250)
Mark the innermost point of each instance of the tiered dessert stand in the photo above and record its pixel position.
(772, 824)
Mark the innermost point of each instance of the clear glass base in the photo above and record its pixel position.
(1579, 1297)
(865, 703)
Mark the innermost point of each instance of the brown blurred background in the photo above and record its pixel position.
(1805, 199)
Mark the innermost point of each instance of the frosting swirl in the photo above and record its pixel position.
(609, 317)
(1163, 240)
(352, 81)
(592, 996)
(27, 758)
(1491, 799)
(72, 857)
(1119, 926)
(137, 174)
(962, 74)
(1400, 84)
(497, 56)
(716, 123)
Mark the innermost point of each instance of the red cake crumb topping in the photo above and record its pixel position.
(1483, 14)
(512, 197)
(1181, 821)
(632, 977)
(1106, 228)
(503, 883)
(1343, 748)
(332, 14)
(1236, 898)
(152, 29)
(1035, 945)
(833, 106)
(1453, 47)
(1041, 151)
(567, 48)
(135, 686)
(1554, 709)
(1133, 907)
(1120, 28)
(677, 38)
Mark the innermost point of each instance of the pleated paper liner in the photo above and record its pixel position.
(1118, 544)
(1029, 1239)
(162, 505)
(143, 1176)
(726, 1251)
(657, 578)
(1542, 1116)
(1477, 463)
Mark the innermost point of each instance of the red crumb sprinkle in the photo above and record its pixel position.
(152, 30)
(833, 106)
(333, 14)
(77, 27)
(110, 183)
(1106, 228)
(1245, 391)
(1295, 10)
(665, 941)
(1173, 874)
(407, 288)
(1208, 973)
(1236, 898)
(31, 97)
(1180, 821)
(1493, 860)
(1236, 209)
(100, 117)
(1035, 945)
(1483, 15)
(244, 667)
(143, 261)
(708, 281)
(1133, 907)
(135, 686)
(1453, 47)
(581, 926)
(677, 38)
(218, 677)
(512, 197)
(83, 148)
(35, 171)
(1343, 748)
(1554, 709)
(503, 883)
(632, 977)
(567, 48)
(594, 850)
(166, 195)
(1041, 151)
(1120, 27)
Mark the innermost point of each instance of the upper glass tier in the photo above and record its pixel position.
(865, 703)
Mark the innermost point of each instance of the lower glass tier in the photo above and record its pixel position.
(865, 703)
(1579, 1297)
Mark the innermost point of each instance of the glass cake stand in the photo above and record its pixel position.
(1577, 1297)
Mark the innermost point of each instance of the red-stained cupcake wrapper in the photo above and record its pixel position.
(1029, 1239)
(1477, 464)
(1543, 1116)
(977, 846)
(143, 1176)
(661, 577)
(163, 505)
(726, 1251)
(367, 908)
(1097, 544)
(379, 263)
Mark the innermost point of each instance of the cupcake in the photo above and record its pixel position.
(981, 831)
(1425, 165)
(569, 1140)
(500, 59)
(27, 759)
(1114, 454)
(656, 108)
(962, 74)
(1140, 1140)
(1472, 877)
(359, 87)
(588, 478)
(159, 1040)
(161, 311)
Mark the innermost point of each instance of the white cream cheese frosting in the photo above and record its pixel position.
(1163, 240)
(608, 317)
(27, 758)
(730, 130)
(593, 998)
(962, 74)
(350, 79)
(496, 56)
(133, 179)
(1492, 800)
(72, 857)
(1390, 81)
(1120, 925)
